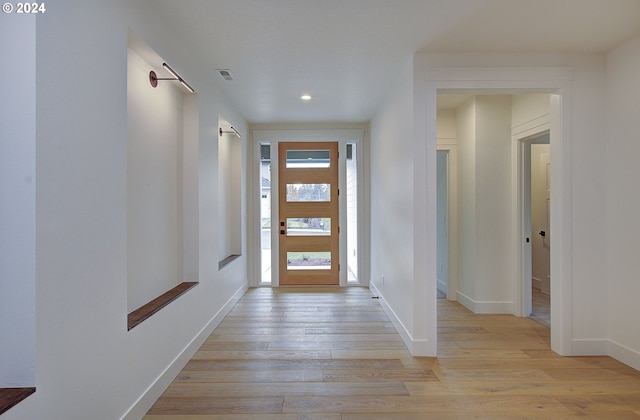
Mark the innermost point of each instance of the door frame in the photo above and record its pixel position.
(452, 217)
(522, 144)
(557, 82)
(273, 137)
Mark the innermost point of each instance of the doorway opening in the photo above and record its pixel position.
(443, 225)
(503, 142)
(536, 196)
(447, 243)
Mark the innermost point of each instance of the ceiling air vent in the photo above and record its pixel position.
(226, 74)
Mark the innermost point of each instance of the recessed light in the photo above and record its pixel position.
(306, 97)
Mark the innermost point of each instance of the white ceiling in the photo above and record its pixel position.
(347, 53)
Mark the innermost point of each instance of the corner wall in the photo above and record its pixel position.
(623, 201)
(392, 196)
(486, 257)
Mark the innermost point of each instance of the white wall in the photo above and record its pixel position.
(87, 364)
(17, 200)
(486, 260)
(584, 318)
(622, 150)
(154, 180)
(392, 203)
(466, 120)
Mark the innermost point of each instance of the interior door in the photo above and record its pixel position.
(540, 202)
(545, 232)
(308, 213)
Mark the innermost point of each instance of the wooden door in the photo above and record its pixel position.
(308, 213)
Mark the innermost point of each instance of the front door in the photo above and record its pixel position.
(308, 213)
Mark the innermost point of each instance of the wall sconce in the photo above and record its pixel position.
(153, 78)
(233, 131)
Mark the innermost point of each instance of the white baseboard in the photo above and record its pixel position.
(485, 307)
(589, 347)
(415, 347)
(155, 390)
(442, 285)
(624, 354)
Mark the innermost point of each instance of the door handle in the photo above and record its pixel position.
(542, 233)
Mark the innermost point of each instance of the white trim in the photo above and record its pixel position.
(589, 347)
(485, 307)
(624, 354)
(536, 125)
(521, 78)
(142, 405)
(505, 80)
(444, 286)
(415, 347)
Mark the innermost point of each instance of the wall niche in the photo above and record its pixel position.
(162, 217)
(229, 193)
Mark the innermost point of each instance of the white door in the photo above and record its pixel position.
(540, 205)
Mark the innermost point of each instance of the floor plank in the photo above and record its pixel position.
(330, 353)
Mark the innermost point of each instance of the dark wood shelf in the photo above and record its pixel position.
(9, 397)
(228, 260)
(136, 317)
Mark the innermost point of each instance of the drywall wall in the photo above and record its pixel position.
(466, 122)
(87, 364)
(622, 150)
(391, 204)
(485, 282)
(17, 201)
(582, 313)
(154, 184)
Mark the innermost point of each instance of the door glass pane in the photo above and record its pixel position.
(352, 213)
(309, 260)
(309, 226)
(308, 159)
(265, 211)
(308, 192)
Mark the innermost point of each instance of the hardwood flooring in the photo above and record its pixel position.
(330, 353)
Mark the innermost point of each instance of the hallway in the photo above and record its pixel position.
(332, 353)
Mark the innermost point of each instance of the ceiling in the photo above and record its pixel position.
(347, 54)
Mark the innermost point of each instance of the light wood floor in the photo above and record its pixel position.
(332, 354)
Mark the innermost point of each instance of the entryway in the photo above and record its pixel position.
(307, 217)
(308, 224)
